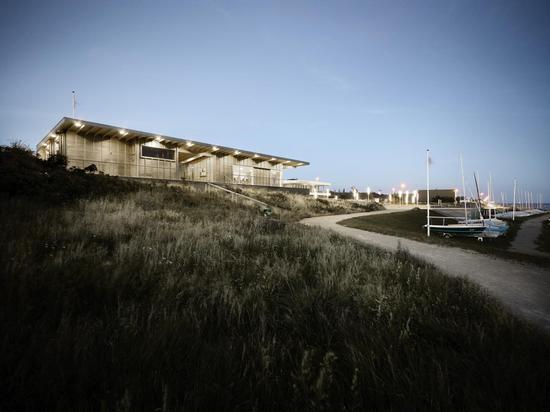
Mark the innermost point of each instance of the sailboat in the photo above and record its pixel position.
(466, 227)
(494, 227)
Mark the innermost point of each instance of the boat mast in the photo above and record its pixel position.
(514, 205)
(478, 200)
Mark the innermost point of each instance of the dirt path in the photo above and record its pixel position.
(527, 235)
(524, 288)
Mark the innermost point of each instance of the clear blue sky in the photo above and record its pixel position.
(359, 89)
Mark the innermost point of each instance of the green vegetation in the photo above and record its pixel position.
(157, 298)
(543, 241)
(409, 224)
(295, 207)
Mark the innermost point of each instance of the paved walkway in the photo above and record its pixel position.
(528, 233)
(524, 288)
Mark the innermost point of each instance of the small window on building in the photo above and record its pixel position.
(158, 153)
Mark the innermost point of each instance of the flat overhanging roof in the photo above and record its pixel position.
(190, 146)
(305, 182)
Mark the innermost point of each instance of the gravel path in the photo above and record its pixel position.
(529, 231)
(524, 288)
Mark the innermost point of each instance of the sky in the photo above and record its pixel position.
(358, 89)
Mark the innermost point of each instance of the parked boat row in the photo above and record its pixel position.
(479, 227)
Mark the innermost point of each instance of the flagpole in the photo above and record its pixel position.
(428, 190)
(463, 191)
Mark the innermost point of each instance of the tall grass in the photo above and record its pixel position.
(165, 299)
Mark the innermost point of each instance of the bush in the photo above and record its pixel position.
(48, 181)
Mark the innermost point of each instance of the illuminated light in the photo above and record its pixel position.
(215, 148)
(403, 185)
(255, 155)
(157, 138)
(78, 124)
(287, 161)
(237, 152)
(123, 132)
(189, 144)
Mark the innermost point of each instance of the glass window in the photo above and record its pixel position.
(158, 153)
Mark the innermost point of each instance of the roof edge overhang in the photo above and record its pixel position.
(68, 123)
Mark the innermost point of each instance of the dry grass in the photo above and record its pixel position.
(165, 299)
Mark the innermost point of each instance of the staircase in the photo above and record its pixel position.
(264, 207)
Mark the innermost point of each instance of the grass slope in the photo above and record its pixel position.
(164, 299)
(409, 224)
(295, 207)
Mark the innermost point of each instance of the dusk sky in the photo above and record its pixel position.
(358, 89)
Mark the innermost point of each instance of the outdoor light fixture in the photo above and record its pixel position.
(189, 144)
(157, 138)
(272, 159)
(256, 155)
(124, 133)
(237, 152)
(214, 148)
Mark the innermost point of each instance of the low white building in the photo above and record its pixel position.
(316, 188)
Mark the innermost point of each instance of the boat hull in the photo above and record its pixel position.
(459, 230)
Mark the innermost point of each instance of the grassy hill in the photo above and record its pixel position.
(139, 297)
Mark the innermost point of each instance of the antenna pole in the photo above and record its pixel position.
(74, 105)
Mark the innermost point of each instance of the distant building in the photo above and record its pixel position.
(315, 187)
(445, 195)
(119, 151)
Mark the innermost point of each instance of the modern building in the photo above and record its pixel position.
(120, 151)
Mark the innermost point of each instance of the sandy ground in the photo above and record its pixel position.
(524, 288)
(527, 235)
